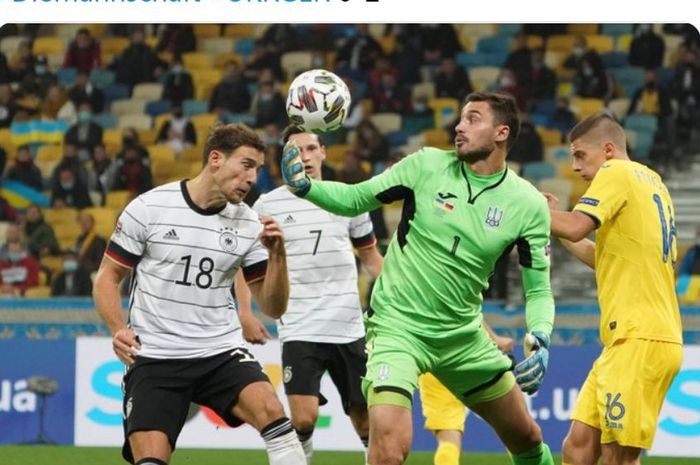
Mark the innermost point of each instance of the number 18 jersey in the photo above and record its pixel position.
(635, 252)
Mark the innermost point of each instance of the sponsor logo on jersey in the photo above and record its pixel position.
(442, 203)
(589, 201)
(447, 195)
(289, 220)
(171, 236)
(493, 217)
(228, 241)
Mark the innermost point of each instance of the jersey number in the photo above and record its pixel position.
(203, 279)
(455, 243)
(668, 229)
(318, 239)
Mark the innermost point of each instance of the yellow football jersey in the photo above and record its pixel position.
(635, 253)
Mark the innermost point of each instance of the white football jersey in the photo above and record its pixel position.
(184, 260)
(324, 303)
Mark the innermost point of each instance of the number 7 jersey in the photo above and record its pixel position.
(184, 259)
(635, 253)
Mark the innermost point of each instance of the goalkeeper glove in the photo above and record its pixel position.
(529, 373)
(292, 170)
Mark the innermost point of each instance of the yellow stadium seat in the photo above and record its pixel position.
(335, 154)
(105, 219)
(549, 137)
(478, 29)
(206, 30)
(483, 76)
(52, 263)
(215, 45)
(112, 137)
(565, 89)
(9, 44)
(424, 90)
(619, 107)
(561, 43)
(467, 42)
(222, 58)
(204, 121)
(117, 200)
(128, 106)
(5, 137)
(192, 154)
(113, 45)
(197, 60)
(205, 79)
(60, 216)
(581, 29)
(147, 136)
(38, 292)
(600, 43)
(240, 30)
(138, 122)
(49, 153)
(294, 63)
(161, 153)
(48, 45)
(66, 234)
(585, 107)
(386, 122)
(436, 137)
(147, 91)
(445, 110)
(535, 42)
(623, 43)
(388, 44)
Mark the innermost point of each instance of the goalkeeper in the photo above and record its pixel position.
(462, 209)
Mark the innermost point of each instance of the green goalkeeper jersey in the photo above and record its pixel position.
(454, 227)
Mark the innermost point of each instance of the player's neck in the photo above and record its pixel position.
(203, 193)
(488, 166)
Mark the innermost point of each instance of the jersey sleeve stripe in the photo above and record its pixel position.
(255, 271)
(122, 256)
(364, 241)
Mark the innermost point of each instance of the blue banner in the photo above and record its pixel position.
(19, 408)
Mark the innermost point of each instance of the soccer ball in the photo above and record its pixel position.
(318, 101)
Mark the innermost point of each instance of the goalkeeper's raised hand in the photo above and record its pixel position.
(292, 170)
(529, 373)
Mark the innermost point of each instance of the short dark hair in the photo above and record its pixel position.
(226, 138)
(505, 111)
(291, 130)
(603, 121)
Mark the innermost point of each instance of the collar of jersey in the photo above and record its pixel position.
(486, 182)
(194, 206)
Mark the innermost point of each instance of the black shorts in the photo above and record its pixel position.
(158, 392)
(305, 362)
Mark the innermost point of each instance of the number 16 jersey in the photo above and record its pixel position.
(184, 259)
(635, 252)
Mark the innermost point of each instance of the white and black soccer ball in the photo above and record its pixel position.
(318, 101)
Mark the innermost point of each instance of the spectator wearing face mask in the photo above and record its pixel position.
(178, 85)
(268, 106)
(540, 82)
(231, 94)
(581, 53)
(19, 271)
(40, 236)
(132, 173)
(563, 118)
(73, 280)
(591, 81)
(653, 99)
(452, 80)
(647, 48)
(69, 161)
(178, 132)
(130, 139)
(101, 172)
(70, 192)
(83, 53)
(85, 134)
(508, 84)
(85, 91)
(25, 170)
(36, 82)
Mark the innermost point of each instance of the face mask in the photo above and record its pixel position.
(506, 82)
(265, 97)
(177, 69)
(419, 107)
(16, 256)
(84, 116)
(40, 69)
(578, 51)
(70, 265)
(67, 185)
(588, 71)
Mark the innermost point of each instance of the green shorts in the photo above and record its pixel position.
(467, 362)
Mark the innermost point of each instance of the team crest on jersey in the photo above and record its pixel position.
(287, 374)
(494, 217)
(129, 407)
(118, 228)
(228, 240)
(383, 373)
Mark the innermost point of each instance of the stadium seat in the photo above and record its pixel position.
(193, 154)
(197, 60)
(37, 292)
(535, 42)
(561, 43)
(630, 78)
(240, 30)
(472, 59)
(117, 200)
(619, 107)
(294, 63)
(204, 81)
(582, 29)
(115, 91)
(509, 29)
(445, 110)
(601, 44)
(386, 122)
(436, 137)
(585, 107)
(157, 107)
(147, 91)
(244, 46)
(66, 76)
(128, 106)
(202, 31)
(544, 106)
(220, 59)
(159, 120)
(616, 29)
(60, 215)
(556, 154)
(536, 171)
(215, 45)
(483, 76)
(477, 29)
(614, 59)
(136, 121)
(560, 188)
(195, 107)
(66, 234)
(623, 43)
(665, 76)
(9, 44)
(48, 45)
(245, 118)
(163, 166)
(672, 42)
(106, 120)
(101, 78)
(425, 90)
(69, 30)
(494, 44)
(48, 153)
(397, 138)
(205, 121)
(539, 119)
(549, 137)
(641, 123)
(105, 219)
(644, 142)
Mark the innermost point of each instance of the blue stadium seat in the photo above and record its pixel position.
(630, 78)
(472, 59)
(101, 78)
(195, 107)
(537, 170)
(614, 59)
(245, 118)
(539, 119)
(664, 76)
(106, 120)
(245, 46)
(643, 146)
(497, 58)
(509, 29)
(114, 92)
(546, 107)
(616, 29)
(66, 76)
(397, 138)
(157, 107)
(414, 124)
(494, 44)
(641, 123)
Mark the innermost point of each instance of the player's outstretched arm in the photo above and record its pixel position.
(254, 330)
(105, 292)
(584, 250)
(371, 259)
(271, 293)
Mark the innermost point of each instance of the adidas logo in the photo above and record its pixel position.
(171, 235)
(289, 219)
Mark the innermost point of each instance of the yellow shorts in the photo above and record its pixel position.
(624, 391)
(441, 409)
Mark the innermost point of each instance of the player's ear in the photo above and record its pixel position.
(502, 133)
(609, 149)
(215, 157)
